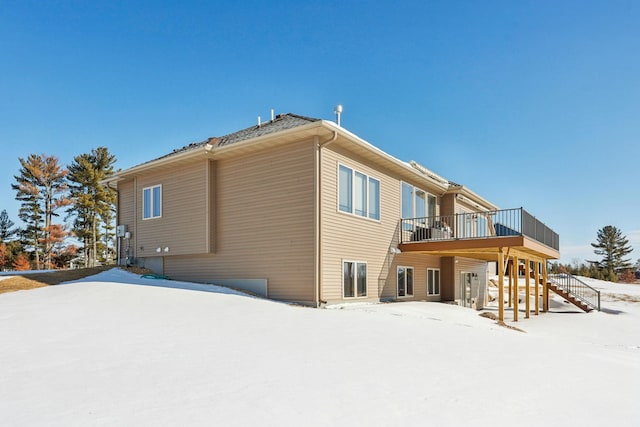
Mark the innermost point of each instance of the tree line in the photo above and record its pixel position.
(56, 203)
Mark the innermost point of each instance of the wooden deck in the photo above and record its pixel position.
(483, 248)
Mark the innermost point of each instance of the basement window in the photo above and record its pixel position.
(433, 281)
(354, 279)
(405, 281)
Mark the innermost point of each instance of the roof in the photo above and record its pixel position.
(279, 123)
(288, 121)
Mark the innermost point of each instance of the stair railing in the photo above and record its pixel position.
(577, 289)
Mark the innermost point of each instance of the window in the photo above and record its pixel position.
(360, 190)
(152, 202)
(433, 281)
(345, 198)
(358, 193)
(374, 198)
(405, 281)
(354, 279)
(417, 203)
(482, 226)
(421, 203)
(431, 205)
(407, 201)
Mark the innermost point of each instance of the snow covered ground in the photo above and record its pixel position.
(108, 351)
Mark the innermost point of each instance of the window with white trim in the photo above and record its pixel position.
(417, 203)
(152, 202)
(358, 193)
(354, 279)
(433, 281)
(405, 281)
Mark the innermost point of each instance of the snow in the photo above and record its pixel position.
(107, 351)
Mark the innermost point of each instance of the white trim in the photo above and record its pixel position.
(413, 280)
(439, 273)
(151, 187)
(355, 285)
(353, 197)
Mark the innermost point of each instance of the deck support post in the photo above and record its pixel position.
(510, 264)
(515, 272)
(500, 285)
(527, 293)
(537, 284)
(545, 288)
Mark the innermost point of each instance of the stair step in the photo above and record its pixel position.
(570, 298)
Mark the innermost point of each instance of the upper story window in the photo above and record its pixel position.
(152, 202)
(358, 194)
(417, 203)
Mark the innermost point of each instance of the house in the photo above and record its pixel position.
(300, 209)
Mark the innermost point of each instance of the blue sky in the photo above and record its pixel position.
(528, 103)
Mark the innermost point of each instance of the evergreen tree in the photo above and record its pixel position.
(28, 192)
(613, 247)
(93, 202)
(6, 230)
(41, 186)
(14, 248)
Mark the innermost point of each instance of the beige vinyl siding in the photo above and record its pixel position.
(182, 226)
(447, 204)
(350, 237)
(126, 211)
(420, 263)
(469, 265)
(447, 278)
(264, 221)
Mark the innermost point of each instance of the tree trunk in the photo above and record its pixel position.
(95, 241)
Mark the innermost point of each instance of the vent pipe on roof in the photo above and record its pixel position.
(338, 112)
(259, 121)
(272, 114)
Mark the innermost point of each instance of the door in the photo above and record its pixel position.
(465, 289)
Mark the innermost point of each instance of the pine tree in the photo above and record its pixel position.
(41, 186)
(93, 202)
(28, 192)
(6, 230)
(613, 247)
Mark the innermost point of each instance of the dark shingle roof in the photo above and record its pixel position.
(279, 123)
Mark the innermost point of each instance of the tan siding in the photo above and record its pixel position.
(126, 209)
(447, 278)
(350, 237)
(264, 220)
(183, 224)
(420, 263)
(469, 265)
(211, 205)
(447, 205)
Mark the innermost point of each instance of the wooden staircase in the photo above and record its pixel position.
(567, 296)
(575, 291)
